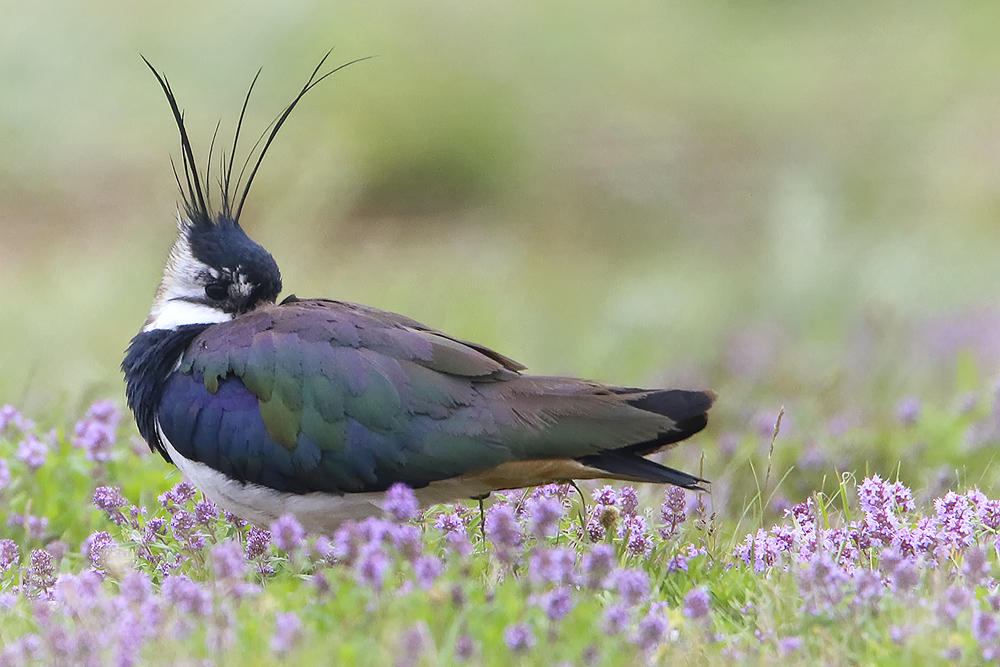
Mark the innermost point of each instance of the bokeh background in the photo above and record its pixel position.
(794, 203)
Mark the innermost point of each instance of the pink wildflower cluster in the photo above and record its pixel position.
(888, 523)
(617, 512)
(96, 432)
(10, 416)
(848, 570)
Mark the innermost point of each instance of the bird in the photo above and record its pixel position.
(316, 407)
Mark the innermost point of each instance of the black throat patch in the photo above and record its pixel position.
(150, 358)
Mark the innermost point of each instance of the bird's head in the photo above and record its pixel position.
(215, 272)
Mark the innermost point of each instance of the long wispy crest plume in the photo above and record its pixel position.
(195, 191)
(226, 201)
(194, 199)
(310, 84)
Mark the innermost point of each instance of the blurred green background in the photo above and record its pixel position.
(645, 192)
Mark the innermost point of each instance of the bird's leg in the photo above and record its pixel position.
(583, 504)
(482, 515)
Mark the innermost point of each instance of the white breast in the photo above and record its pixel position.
(317, 512)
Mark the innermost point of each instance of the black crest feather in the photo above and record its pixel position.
(195, 192)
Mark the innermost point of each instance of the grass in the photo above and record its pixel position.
(855, 577)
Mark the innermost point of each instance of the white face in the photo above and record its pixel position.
(181, 298)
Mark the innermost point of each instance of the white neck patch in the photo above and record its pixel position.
(183, 285)
(177, 313)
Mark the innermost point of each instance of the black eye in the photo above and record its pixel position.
(216, 291)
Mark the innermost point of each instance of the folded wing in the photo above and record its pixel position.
(315, 395)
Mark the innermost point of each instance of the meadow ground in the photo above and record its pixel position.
(799, 552)
(795, 205)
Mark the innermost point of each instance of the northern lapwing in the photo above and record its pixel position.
(314, 407)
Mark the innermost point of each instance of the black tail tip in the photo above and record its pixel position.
(677, 404)
(630, 466)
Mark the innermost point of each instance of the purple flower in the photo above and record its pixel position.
(401, 503)
(458, 596)
(615, 620)
(346, 543)
(456, 537)
(408, 541)
(603, 517)
(696, 603)
(111, 501)
(882, 502)
(287, 533)
(258, 540)
(464, 648)
(789, 645)
(673, 512)
(681, 558)
(96, 432)
(606, 496)
(371, 566)
(954, 518)
(413, 644)
(989, 514)
(763, 550)
(230, 518)
(956, 600)
(552, 565)
(556, 603)
(58, 549)
(78, 595)
(598, 564)
(187, 596)
(952, 654)
(906, 576)
(908, 410)
(181, 524)
(544, 514)
(95, 547)
(519, 637)
(4, 474)
(869, 588)
(287, 631)
(628, 501)
(205, 512)
(822, 584)
(638, 542)
(9, 415)
(448, 523)
(36, 526)
(975, 566)
(32, 451)
(632, 585)
(595, 531)
(41, 571)
(104, 411)
(651, 630)
(178, 497)
(227, 560)
(8, 554)
(131, 636)
(427, 569)
(503, 530)
(985, 628)
(136, 587)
